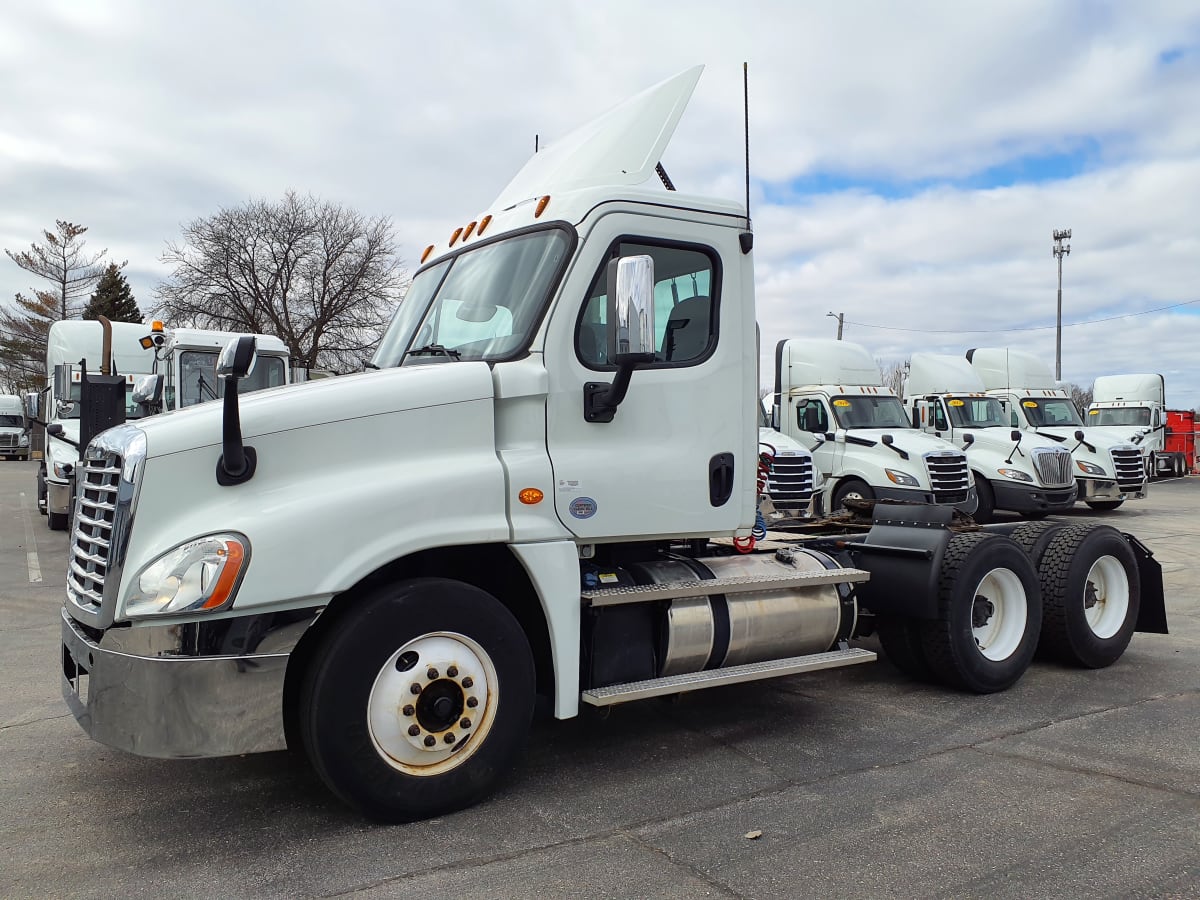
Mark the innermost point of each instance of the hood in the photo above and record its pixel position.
(1125, 434)
(323, 402)
(1095, 436)
(1000, 438)
(910, 440)
(620, 148)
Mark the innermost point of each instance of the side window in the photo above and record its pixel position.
(811, 416)
(686, 279)
(939, 417)
(1157, 421)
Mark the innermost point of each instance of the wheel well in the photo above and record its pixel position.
(490, 567)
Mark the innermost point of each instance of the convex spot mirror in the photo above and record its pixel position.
(630, 307)
(238, 357)
(148, 390)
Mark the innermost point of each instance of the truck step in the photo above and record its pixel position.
(694, 681)
(698, 588)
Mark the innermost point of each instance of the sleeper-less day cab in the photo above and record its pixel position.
(1134, 408)
(566, 420)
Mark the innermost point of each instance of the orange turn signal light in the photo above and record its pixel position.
(228, 577)
(530, 496)
(541, 206)
(425, 255)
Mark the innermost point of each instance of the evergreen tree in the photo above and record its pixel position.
(113, 298)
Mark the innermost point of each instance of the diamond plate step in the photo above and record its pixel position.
(694, 681)
(646, 592)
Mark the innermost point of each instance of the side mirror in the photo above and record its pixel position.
(968, 439)
(629, 332)
(1078, 434)
(238, 357)
(888, 440)
(829, 436)
(54, 430)
(148, 390)
(1015, 435)
(32, 406)
(840, 436)
(62, 381)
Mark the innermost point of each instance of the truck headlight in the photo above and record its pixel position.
(200, 575)
(23, 441)
(63, 470)
(1015, 474)
(901, 478)
(1089, 468)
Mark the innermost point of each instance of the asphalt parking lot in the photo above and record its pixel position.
(861, 781)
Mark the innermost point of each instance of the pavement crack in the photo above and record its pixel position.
(9, 725)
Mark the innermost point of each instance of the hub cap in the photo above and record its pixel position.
(1106, 597)
(432, 703)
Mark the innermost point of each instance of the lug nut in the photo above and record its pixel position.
(409, 709)
(468, 681)
(472, 702)
(414, 730)
(416, 689)
(431, 674)
(452, 672)
(465, 723)
(449, 738)
(430, 740)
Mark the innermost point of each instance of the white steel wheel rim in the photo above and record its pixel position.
(452, 672)
(1106, 597)
(999, 637)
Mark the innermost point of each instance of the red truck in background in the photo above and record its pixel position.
(1182, 429)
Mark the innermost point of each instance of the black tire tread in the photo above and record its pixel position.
(1032, 537)
(900, 638)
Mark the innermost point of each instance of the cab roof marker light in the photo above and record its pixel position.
(425, 255)
(541, 206)
(454, 237)
(485, 222)
(470, 230)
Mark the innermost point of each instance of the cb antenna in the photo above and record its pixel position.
(746, 239)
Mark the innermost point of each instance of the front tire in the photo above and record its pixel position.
(989, 614)
(1105, 505)
(985, 511)
(1091, 593)
(56, 521)
(850, 489)
(419, 701)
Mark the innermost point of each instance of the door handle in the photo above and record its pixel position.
(720, 479)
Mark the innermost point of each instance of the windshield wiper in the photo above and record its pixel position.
(435, 350)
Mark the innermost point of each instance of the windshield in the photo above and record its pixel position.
(482, 304)
(7, 421)
(1049, 411)
(198, 380)
(976, 412)
(132, 410)
(1126, 415)
(866, 411)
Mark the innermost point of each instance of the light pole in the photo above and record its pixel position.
(1060, 250)
(839, 317)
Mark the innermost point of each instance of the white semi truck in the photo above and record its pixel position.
(1108, 468)
(1134, 408)
(565, 418)
(829, 395)
(1014, 470)
(14, 427)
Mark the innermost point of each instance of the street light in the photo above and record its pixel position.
(1060, 250)
(839, 317)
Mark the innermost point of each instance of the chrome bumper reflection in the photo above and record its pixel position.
(175, 705)
(1103, 489)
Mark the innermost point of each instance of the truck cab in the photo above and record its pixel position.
(830, 396)
(1014, 470)
(14, 427)
(1108, 468)
(1134, 408)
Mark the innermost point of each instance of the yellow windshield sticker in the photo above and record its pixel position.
(957, 402)
(1029, 404)
(841, 402)
(1093, 412)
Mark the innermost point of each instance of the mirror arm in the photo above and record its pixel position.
(237, 462)
(600, 400)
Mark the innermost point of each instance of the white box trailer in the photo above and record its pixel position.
(548, 508)
(1014, 470)
(830, 396)
(1108, 468)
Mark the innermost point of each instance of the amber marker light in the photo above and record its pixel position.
(454, 237)
(541, 207)
(530, 496)
(470, 230)
(484, 223)
(425, 255)
(156, 326)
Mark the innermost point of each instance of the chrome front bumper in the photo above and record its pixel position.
(175, 691)
(1104, 489)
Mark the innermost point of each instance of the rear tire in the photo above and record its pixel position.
(989, 614)
(1091, 595)
(1105, 505)
(1033, 538)
(419, 700)
(901, 641)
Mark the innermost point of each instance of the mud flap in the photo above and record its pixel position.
(1152, 615)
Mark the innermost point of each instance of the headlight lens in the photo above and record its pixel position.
(1089, 468)
(23, 441)
(901, 478)
(1015, 474)
(200, 575)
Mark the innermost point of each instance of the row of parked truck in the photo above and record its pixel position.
(563, 500)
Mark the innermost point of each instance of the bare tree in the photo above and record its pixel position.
(62, 262)
(23, 339)
(1080, 396)
(321, 277)
(893, 374)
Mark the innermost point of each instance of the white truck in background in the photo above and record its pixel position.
(1014, 470)
(829, 395)
(14, 428)
(543, 514)
(788, 475)
(1108, 469)
(1134, 408)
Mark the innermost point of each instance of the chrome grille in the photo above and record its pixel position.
(790, 481)
(1053, 465)
(97, 482)
(949, 476)
(9, 440)
(1127, 461)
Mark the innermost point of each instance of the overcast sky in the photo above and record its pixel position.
(909, 160)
